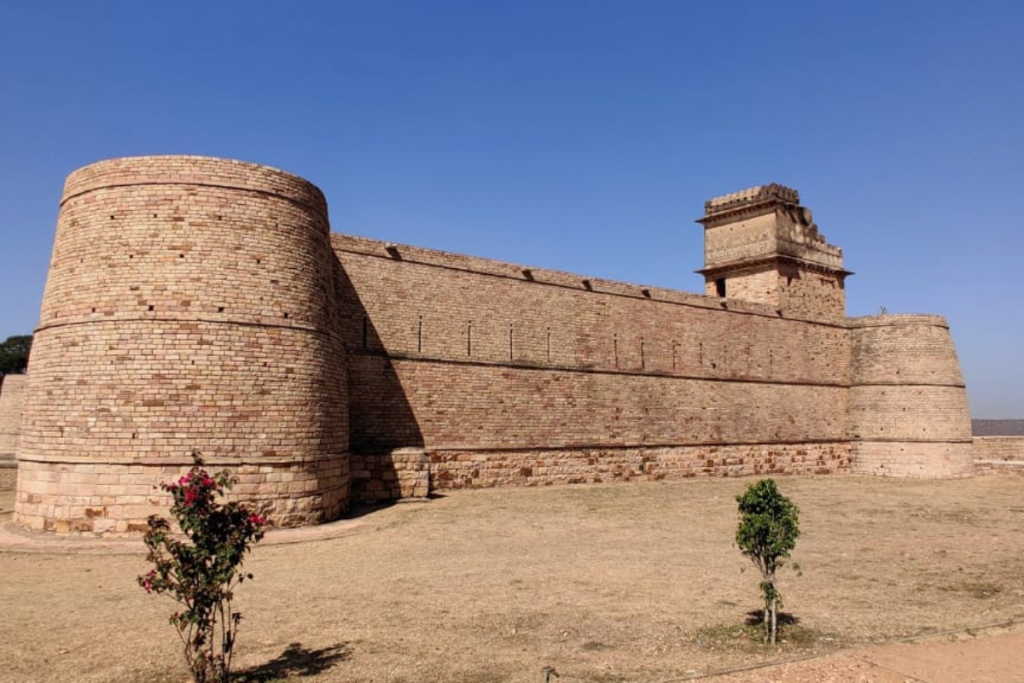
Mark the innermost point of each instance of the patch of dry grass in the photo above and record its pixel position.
(636, 582)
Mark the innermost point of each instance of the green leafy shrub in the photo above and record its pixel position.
(767, 532)
(201, 570)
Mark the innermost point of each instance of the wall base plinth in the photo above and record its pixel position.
(108, 499)
(912, 460)
(406, 473)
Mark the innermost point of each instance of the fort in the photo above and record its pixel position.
(202, 304)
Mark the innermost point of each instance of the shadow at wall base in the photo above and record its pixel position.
(112, 499)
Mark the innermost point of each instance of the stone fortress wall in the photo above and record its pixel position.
(198, 303)
(12, 397)
(12, 394)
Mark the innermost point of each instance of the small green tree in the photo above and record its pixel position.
(767, 532)
(14, 354)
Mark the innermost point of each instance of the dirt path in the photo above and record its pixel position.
(993, 655)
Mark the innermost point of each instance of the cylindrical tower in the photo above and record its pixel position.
(189, 305)
(908, 403)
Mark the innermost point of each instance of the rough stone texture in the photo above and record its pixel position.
(189, 306)
(8, 472)
(999, 454)
(199, 303)
(999, 448)
(908, 403)
(482, 468)
(761, 245)
(12, 397)
(401, 473)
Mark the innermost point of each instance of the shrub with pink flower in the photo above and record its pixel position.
(201, 570)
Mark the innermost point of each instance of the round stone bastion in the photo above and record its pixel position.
(908, 403)
(187, 308)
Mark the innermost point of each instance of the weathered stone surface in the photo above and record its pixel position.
(198, 303)
(12, 397)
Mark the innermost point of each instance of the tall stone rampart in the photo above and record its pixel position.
(189, 305)
(908, 402)
(201, 304)
(520, 375)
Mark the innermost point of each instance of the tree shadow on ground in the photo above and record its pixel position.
(756, 618)
(296, 660)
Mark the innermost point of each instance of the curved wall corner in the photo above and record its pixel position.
(189, 305)
(908, 404)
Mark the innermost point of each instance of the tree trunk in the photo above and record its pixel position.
(766, 621)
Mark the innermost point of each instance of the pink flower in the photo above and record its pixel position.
(257, 520)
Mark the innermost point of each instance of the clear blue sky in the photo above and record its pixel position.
(582, 136)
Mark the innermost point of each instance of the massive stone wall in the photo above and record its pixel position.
(189, 306)
(197, 303)
(525, 376)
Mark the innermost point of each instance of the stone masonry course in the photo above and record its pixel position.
(199, 304)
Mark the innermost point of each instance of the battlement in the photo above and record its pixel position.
(751, 197)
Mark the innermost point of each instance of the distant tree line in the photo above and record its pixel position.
(14, 354)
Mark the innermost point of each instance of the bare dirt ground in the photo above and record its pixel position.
(622, 582)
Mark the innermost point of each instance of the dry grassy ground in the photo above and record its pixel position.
(623, 582)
